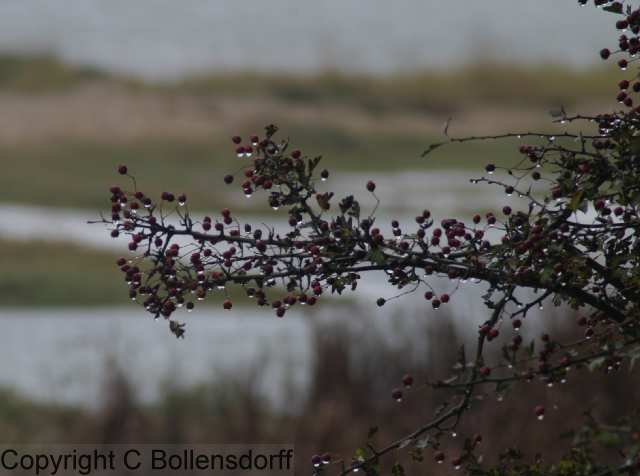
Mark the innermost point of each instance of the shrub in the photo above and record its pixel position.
(575, 243)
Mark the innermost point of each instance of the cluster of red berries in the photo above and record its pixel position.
(629, 45)
(407, 383)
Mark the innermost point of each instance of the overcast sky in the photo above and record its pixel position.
(165, 38)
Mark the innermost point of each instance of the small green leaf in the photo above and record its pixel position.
(615, 7)
(576, 200)
(596, 363)
(376, 256)
(609, 439)
(584, 206)
(397, 470)
(423, 442)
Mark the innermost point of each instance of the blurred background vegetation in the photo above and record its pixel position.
(83, 364)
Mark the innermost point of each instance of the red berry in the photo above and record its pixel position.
(539, 411)
(485, 371)
(122, 169)
(371, 186)
(296, 154)
(228, 179)
(236, 139)
(605, 53)
(407, 380)
(227, 304)
(396, 394)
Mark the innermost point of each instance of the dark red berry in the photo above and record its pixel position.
(371, 186)
(396, 394)
(122, 169)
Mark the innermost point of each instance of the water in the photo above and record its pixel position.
(402, 195)
(60, 354)
(164, 38)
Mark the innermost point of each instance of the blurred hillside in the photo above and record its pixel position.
(60, 121)
(64, 129)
